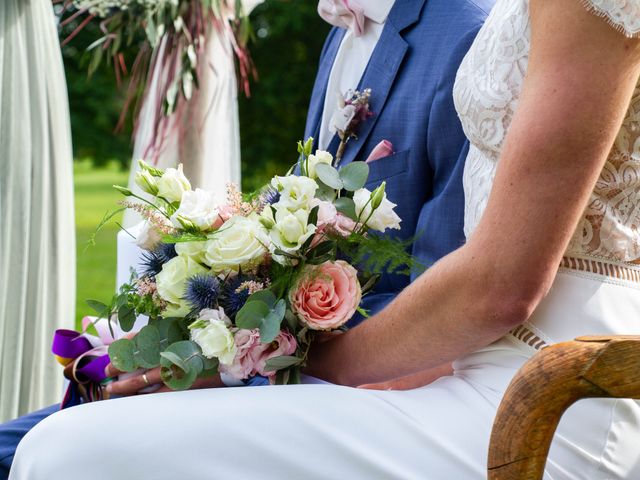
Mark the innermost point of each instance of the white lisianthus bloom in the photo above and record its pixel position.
(290, 231)
(295, 192)
(267, 217)
(147, 238)
(383, 217)
(241, 243)
(214, 338)
(172, 282)
(147, 182)
(172, 184)
(320, 157)
(198, 207)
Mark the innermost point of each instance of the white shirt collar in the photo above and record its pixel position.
(377, 10)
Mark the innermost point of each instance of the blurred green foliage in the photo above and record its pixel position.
(288, 37)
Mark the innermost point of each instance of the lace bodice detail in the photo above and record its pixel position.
(486, 96)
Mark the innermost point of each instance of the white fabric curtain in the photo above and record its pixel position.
(37, 240)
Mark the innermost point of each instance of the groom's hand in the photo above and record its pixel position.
(134, 384)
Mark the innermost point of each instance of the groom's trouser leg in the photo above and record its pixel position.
(12, 432)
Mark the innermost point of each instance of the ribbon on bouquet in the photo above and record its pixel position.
(84, 358)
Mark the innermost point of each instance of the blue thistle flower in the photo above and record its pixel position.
(232, 299)
(271, 196)
(166, 251)
(152, 262)
(202, 292)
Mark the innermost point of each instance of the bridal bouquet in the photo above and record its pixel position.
(243, 286)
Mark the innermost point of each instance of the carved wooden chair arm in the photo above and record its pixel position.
(545, 387)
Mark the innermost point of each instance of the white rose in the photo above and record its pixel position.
(172, 281)
(215, 339)
(295, 192)
(382, 218)
(147, 182)
(147, 238)
(291, 230)
(313, 160)
(195, 250)
(198, 207)
(172, 184)
(241, 242)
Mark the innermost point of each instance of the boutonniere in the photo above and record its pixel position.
(351, 113)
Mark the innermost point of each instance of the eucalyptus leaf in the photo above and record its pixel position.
(270, 324)
(181, 364)
(100, 308)
(347, 207)
(148, 347)
(325, 193)
(265, 296)
(126, 317)
(122, 355)
(354, 176)
(252, 314)
(329, 176)
(172, 358)
(169, 331)
(280, 363)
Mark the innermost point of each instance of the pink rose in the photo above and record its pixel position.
(327, 295)
(252, 355)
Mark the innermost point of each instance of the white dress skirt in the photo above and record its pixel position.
(438, 432)
(37, 236)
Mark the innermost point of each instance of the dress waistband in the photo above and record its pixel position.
(627, 272)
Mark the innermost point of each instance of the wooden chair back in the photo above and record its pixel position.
(545, 387)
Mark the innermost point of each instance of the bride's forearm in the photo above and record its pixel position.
(448, 311)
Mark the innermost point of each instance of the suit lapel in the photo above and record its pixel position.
(316, 106)
(383, 68)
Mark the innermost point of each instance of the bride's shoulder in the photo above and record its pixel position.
(624, 15)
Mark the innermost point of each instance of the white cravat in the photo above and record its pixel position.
(351, 61)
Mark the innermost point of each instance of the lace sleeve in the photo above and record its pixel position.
(623, 15)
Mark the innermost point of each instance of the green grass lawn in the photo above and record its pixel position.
(96, 267)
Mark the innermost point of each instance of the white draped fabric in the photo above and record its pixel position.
(37, 242)
(207, 140)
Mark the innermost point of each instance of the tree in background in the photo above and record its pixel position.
(288, 39)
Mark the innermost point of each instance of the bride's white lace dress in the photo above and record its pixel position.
(439, 432)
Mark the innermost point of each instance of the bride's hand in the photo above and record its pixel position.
(410, 382)
(134, 384)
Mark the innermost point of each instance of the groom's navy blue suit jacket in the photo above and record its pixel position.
(411, 74)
